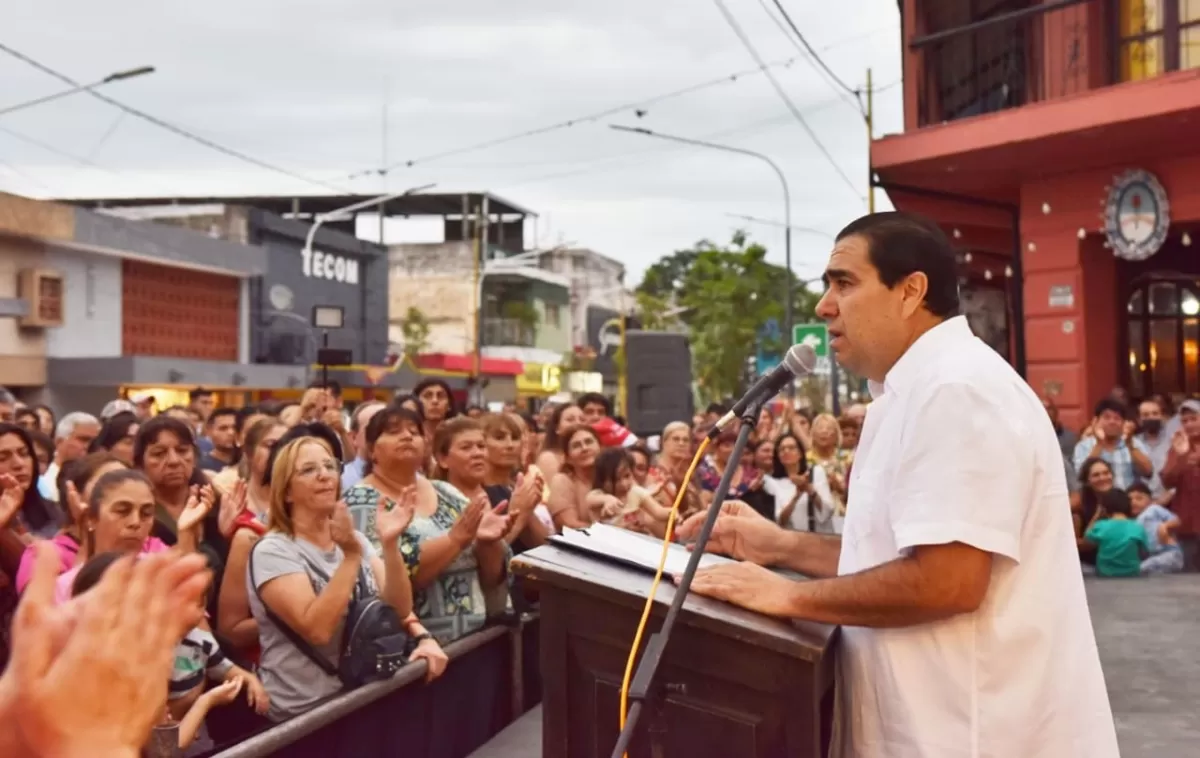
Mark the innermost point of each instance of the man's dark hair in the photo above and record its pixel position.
(1116, 503)
(595, 398)
(900, 244)
(199, 394)
(1111, 404)
(333, 386)
(717, 409)
(1138, 487)
(219, 412)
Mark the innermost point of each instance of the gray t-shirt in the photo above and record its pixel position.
(294, 683)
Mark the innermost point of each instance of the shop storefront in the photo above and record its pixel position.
(538, 383)
(1075, 215)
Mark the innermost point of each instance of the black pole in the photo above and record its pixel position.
(643, 677)
(325, 364)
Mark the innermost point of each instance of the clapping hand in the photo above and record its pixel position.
(11, 498)
(1180, 443)
(392, 517)
(464, 529)
(71, 687)
(341, 528)
(232, 506)
(199, 502)
(527, 494)
(493, 524)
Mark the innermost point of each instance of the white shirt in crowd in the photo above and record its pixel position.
(958, 448)
(783, 490)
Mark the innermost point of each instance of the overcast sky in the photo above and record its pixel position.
(303, 85)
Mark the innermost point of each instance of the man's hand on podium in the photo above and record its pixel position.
(747, 585)
(740, 532)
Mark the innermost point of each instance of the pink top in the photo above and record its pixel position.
(62, 589)
(67, 548)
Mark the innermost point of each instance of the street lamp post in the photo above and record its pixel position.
(787, 200)
(113, 77)
(321, 218)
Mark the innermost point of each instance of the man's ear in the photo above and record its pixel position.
(913, 288)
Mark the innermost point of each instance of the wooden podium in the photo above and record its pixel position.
(732, 684)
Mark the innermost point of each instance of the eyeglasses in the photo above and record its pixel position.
(315, 469)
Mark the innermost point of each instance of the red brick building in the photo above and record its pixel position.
(1056, 142)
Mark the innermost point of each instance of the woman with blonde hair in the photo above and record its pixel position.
(304, 574)
(827, 452)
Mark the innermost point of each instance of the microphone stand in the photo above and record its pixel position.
(643, 678)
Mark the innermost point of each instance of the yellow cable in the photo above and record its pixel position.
(662, 564)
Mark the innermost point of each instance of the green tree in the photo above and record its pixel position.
(724, 295)
(415, 327)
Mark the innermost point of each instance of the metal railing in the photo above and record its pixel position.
(508, 331)
(1007, 59)
(492, 679)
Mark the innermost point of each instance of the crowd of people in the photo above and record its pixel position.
(1134, 474)
(342, 543)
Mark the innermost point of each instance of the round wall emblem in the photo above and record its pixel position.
(1136, 215)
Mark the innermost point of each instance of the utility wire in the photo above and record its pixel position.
(586, 118)
(814, 60)
(177, 130)
(817, 58)
(741, 34)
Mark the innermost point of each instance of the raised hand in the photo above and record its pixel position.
(1180, 443)
(493, 524)
(392, 517)
(464, 529)
(198, 506)
(341, 529)
(74, 658)
(11, 498)
(232, 506)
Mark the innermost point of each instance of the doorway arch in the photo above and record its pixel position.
(1162, 314)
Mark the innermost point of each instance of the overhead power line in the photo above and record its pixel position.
(812, 59)
(815, 56)
(741, 35)
(177, 130)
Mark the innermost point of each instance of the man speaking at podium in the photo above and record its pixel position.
(957, 583)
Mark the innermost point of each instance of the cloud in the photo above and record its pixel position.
(304, 83)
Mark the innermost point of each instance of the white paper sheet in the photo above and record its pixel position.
(622, 544)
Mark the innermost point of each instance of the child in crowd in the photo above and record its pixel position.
(1120, 541)
(197, 657)
(616, 500)
(1159, 524)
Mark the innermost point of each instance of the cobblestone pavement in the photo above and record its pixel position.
(1148, 631)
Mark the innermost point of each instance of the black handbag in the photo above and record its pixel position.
(374, 642)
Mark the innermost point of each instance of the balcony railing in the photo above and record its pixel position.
(1018, 54)
(508, 332)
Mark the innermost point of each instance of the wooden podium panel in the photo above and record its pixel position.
(733, 684)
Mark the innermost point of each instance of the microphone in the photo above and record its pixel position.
(801, 360)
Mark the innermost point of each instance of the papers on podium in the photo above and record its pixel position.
(632, 549)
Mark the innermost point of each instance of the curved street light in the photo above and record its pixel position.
(113, 77)
(787, 197)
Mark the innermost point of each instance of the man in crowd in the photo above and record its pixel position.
(221, 431)
(1155, 440)
(1108, 439)
(354, 471)
(1182, 474)
(597, 413)
(8, 406)
(965, 627)
(72, 436)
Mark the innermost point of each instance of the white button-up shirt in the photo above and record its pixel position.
(958, 448)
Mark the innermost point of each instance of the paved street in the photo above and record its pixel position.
(1149, 643)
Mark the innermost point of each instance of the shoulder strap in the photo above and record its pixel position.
(302, 644)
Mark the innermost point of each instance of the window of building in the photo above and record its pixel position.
(554, 315)
(1157, 36)
(1163, 320)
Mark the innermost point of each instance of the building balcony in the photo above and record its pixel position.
(508, 332)
(1064, 85)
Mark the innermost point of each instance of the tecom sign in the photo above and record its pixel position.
(318, 265)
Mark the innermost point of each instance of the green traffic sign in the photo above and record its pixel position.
(815, 336)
